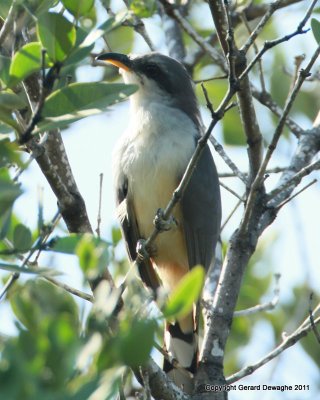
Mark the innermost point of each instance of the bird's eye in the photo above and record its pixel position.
(152, 70)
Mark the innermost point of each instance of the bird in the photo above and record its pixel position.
(148, 163)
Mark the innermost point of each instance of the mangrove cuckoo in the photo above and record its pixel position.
(148, 164)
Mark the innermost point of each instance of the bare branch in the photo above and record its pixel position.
(287, 342)
(223, 225)
(26, 260)
(139, 26)
(292, 183)
(8, 23)
(275, 170)
(217, 146)
(219, 17)
(296, 194)
(70, 289)
(231, 191)
(266, 99)
(255, 47)
(187, 27)
(10, 282)
(313, 325)
(270, 305)
(173, 34)
(161, 386)
(100, 205)
(260, 175)
(269, 44)
(253, 10)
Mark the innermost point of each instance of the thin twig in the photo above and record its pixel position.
(231, 45)
(138, 26)
(218, 147)
(314, 328)
(188, 28)
(264, 20)
(12, 278)
(260, 175)
(231, 191)
(295, 179)
(146, 385)
(275, 170)
(287, 342)
(270, 305)
(266, 99)
(256, 50)
(45, 89)
(270, 44)
(100, 205)
(223, 225)
(8, 23)
(296, 194)
(214, 78)
(26, 260)
(70, 289)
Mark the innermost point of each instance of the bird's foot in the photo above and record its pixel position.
(145, 251)
(162, 224)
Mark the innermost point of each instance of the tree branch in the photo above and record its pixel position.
(270, 305)
(287, 342)
(269, 44)
(161, 386)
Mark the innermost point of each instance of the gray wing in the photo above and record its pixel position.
(201, 209)
(131, 235)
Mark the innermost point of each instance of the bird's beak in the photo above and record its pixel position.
(119, 60)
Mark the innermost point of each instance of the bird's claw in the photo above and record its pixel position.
(163, 225)
(145, 251)
(142, 251)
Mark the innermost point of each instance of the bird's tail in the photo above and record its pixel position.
(181, 343)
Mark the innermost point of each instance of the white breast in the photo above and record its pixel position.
(153, 155)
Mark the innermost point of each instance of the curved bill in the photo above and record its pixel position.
(117, 59)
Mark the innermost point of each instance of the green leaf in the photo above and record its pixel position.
(143, 8)
(78, 8)
(4, 129)
(11, 101)
(68, 244)
(315, 26)
(22, 238)
(6, 118)
(44, 5)
(5, 223)
(4, 8)
(85, 96)
(116, 235)
(80, 100)
(4, 69)
(93, 254)
(23, 270)
(136, 341)
(26, 61)
(38, 300)
(9, 192)
(180, 302)
(88, 256)
(57, 35)
(63, 121)
(85, 42)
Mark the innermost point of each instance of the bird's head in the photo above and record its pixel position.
(160, 79)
